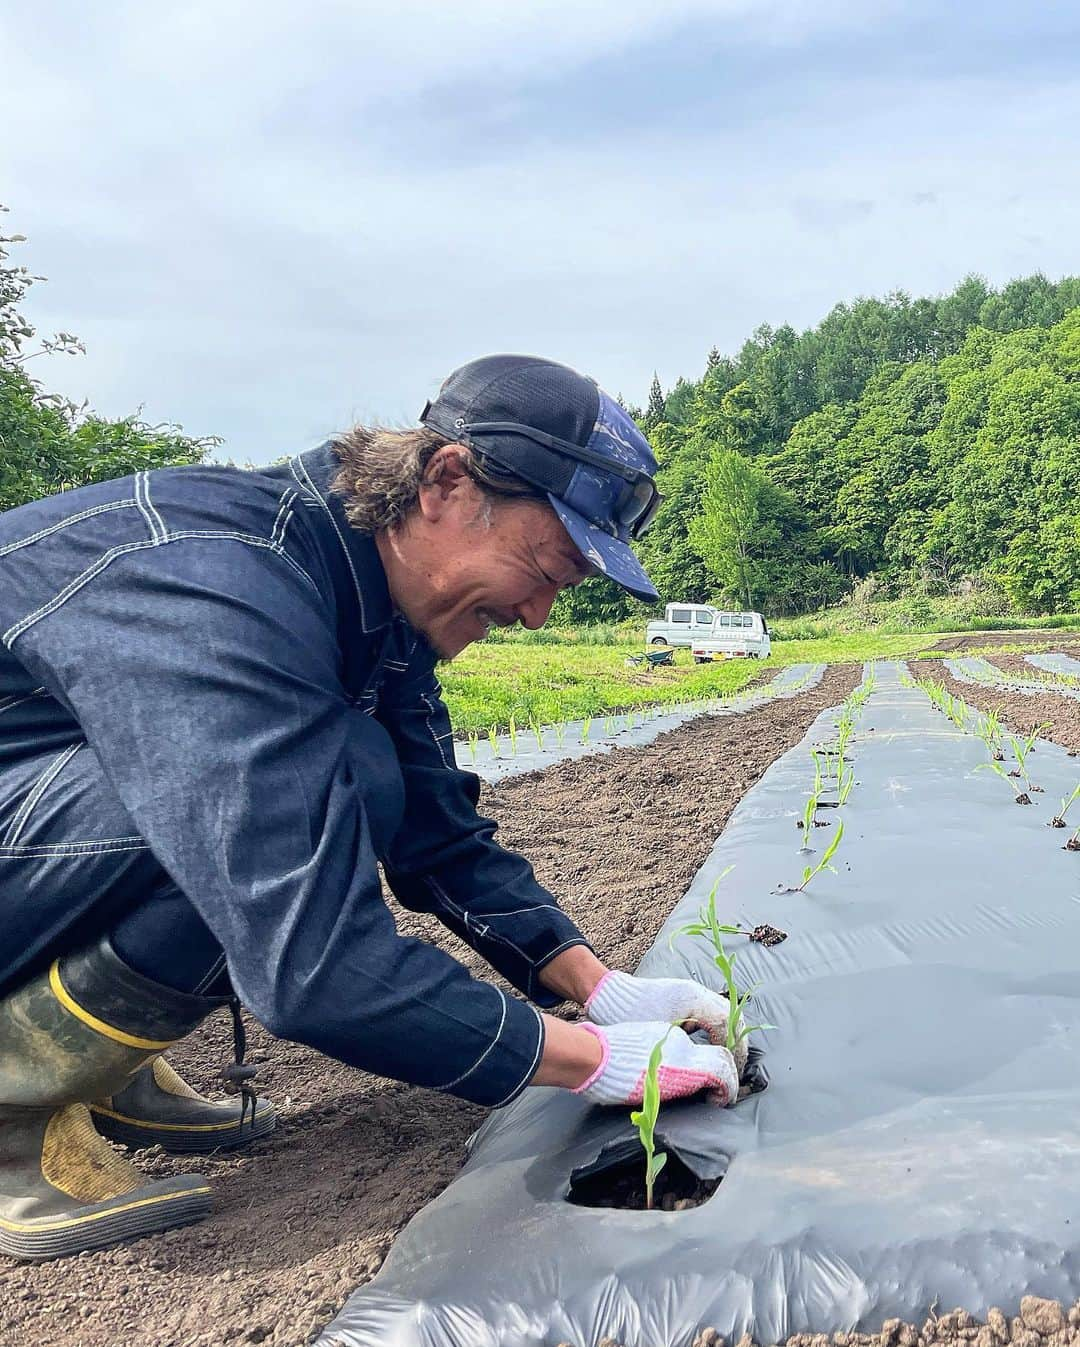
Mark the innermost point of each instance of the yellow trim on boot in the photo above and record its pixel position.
(77, 1161)
(231, 1126)
(171, 1082)
(117, 1035)
(66, 1224)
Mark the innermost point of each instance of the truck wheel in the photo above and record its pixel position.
(701, 659)
(658, 640)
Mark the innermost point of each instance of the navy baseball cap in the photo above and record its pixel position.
(556, 430)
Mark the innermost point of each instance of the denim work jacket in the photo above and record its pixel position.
(225, 643)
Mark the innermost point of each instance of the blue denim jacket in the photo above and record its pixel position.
(225, 643)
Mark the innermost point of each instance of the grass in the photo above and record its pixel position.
(571, 677)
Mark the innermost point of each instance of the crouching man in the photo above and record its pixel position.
(218, 714)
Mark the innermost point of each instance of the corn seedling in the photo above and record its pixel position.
(493, 740)
(998, 770)
(644, 1119)
(1073, 844)
(1058, 821)
(538, 732)
(586, 725)
(709, 927)
(1021, 748)
(609, 724)
(809, 819)
(820, 770)
(847, 780)
(823, 864)
(560, 732)
(512, 728)
(474, 741)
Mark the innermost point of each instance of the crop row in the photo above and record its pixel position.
(986, 726)
(833, 774)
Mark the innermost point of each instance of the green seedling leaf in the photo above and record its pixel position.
(644, 1119)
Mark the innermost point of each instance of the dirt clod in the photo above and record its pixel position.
(1042, 1316)
(768, 936)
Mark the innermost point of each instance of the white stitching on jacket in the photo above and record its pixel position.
(438, 738)
(44, 781)
(11, 702)
(277, 536)
(13, 633)
(155, 518)
(498, 1032)
(149, 514)
(309, 485)
(43, 850)
(532, 1065)
(63, 524)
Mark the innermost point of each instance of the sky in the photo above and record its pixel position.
(268, 221)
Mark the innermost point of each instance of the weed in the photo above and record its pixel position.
(644, 1119)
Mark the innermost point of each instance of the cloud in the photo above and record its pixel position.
(266, 220)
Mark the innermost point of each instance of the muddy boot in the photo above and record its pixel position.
(79, 1032)
(159, 1108)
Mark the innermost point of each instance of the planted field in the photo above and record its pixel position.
(910, 929)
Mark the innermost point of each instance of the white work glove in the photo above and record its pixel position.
(620, 997)
(685, 1066)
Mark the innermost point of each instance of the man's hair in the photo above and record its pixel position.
(381, 472)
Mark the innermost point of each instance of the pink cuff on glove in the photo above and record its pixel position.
(595, 991)
(605, 1054)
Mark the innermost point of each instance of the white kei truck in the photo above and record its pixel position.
(710, 633)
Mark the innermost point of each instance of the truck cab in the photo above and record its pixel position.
(682, 624)
(734, 636)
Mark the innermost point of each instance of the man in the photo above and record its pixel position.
(218, 715)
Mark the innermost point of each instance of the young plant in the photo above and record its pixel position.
(609, 725)
(998, 770)
(1058, 821)
(823, 864)
(538, 731)
(847, 780)
(709, 926)
(809, 819)
(474, 740)
(644, 1119)
(493, 740)
(512, 727)
(1021, 748)
(586, 724)
(1073, 844)
(560, 732)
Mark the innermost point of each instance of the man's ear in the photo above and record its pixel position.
(444, 481)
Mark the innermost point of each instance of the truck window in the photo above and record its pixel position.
(704, 619)
(724, 620)
(680, 615)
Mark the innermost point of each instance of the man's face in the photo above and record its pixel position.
(468, 561)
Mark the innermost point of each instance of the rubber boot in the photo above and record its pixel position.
(79, 1032)
(159, 1108)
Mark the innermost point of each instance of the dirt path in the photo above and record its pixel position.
(309, 1214)
(1062, 639)
(1021, 711)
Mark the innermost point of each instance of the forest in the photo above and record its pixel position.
(930, 445)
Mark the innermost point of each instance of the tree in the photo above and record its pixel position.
(654, 413)
(734, 524)
(46, 443)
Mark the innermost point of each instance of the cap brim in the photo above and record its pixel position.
(613, 558)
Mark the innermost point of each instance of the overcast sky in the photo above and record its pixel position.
(267, 220)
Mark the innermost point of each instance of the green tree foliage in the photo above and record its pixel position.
(46, 443)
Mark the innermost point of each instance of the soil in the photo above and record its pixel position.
(979, 640)
(1018, 667)
(1040, 1323)
(622, 1186)
(307, 1215)
(1020, 711)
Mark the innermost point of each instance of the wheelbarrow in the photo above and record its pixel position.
(652, 659)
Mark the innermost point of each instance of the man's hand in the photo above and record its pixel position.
(686, 1067)
(620, 997)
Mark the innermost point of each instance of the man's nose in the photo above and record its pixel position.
(536, 610)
